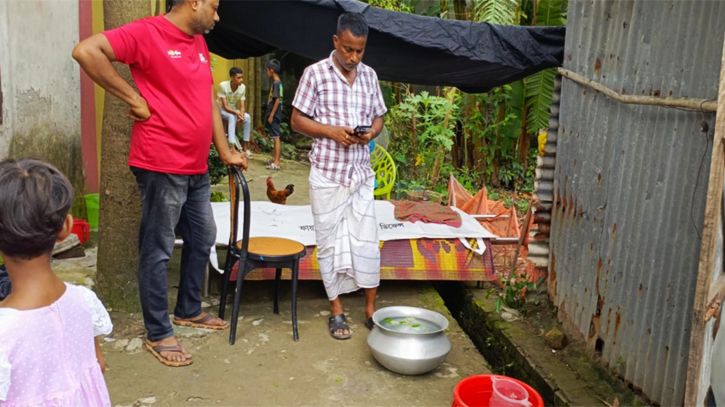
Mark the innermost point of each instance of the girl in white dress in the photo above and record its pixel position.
(49, 349)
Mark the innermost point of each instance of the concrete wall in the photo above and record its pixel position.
(41, 84)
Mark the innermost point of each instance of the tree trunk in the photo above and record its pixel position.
(460, 10)
(444, 9)
(524, 140)
(256, 68)
(250, 67)
(120, 202)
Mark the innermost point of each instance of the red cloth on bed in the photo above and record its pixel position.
(426, 212)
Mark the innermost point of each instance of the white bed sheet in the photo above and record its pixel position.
(295, 222)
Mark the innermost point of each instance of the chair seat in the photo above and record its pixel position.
(274, 249)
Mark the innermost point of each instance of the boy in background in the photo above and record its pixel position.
(232, 93)
(274, 110)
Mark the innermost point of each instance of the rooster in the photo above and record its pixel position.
(278, 197)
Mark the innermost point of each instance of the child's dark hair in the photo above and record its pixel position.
(235, 71)
(353, 22)
(274, 65)
(34, 201)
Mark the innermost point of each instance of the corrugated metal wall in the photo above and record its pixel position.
(627, 215)
(544, 187)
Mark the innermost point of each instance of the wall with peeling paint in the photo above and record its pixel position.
(630, 184)
(41, 84)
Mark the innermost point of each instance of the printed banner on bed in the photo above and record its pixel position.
(295, 222)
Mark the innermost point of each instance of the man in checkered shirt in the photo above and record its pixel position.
(335, 96)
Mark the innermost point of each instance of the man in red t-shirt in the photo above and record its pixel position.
(176, 120)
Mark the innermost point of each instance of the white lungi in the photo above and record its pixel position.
(348, 248)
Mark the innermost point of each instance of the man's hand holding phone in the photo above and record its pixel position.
(363, 134)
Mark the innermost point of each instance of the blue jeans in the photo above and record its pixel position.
(171, 202)
(232, 126)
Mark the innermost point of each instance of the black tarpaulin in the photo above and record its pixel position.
(401, 47)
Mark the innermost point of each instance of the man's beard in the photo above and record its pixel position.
(200, 28)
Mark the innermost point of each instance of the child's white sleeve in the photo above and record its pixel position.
(5, 369)
(102, 324)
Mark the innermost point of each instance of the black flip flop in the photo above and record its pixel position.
(369, 324)
(338, 322)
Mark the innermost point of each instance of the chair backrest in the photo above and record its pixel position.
(237, 185)
(384, 166)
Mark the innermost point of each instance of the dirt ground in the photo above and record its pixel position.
(292, 172)
(266, 367)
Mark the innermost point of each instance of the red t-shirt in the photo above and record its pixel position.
(173, 74)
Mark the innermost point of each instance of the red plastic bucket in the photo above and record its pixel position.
(476, 391)
(82, 229)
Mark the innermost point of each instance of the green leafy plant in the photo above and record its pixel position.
(288, 151)
(539, 97)
(485, 124)
(404, 187)
(511, 172)
(425, 127)
(265, 144)
(523, 205)
(218, 197)
(514, 292)
(285, 132)
(217, 169)
(502, 12)
(530, 176)
(287, 148)
(507, 200)
(469, 178)
(485, 140)
(394, 5)
(540, 86)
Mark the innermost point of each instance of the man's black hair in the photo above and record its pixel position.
(234, 71)
(274, 65)
(34, 201)
(171, 3)
(353, 22)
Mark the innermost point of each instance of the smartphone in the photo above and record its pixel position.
(360, 130)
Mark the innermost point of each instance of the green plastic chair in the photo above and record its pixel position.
(384, 167)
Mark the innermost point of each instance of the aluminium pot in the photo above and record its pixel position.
(409, 353)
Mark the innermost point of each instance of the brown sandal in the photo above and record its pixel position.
(200, 323)
(156, 351)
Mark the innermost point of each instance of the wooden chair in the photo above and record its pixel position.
(254, 253)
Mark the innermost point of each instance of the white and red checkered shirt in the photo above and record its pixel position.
(325, 95)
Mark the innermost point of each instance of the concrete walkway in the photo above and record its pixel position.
(267, 368)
